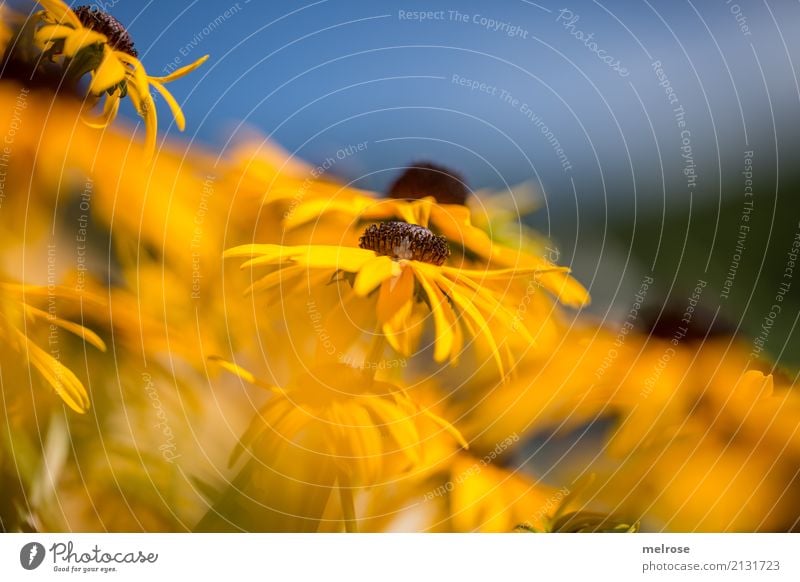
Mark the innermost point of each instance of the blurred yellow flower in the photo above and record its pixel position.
(20, 316)
(333, 428)
(88, 40)
(6, 32)
(730, 465)
(482, 497)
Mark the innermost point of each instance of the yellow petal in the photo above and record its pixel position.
(449, 428)
(182, 72)
(401, 427)
(61, 378)
(243, 373)
(110, 110)
(481, 325)
(177, 113)
(404, 329)
(80, 39)
(50, 32)
(373, 273)
(312, 209)
(60, 12)
(139, 92)
(84, 333)
(348, 259)
(443, 344)
(395, 294)
(110, 72)
(147, 110)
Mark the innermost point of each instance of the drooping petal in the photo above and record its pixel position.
(139, 92)
(481, 325)
(405, 328)
(395, 294)
(84, 333)
(177, 113)
(448, 428)
(182, 72)
(110, 110)
(61, 378)
(109, 73)
(402, 428)
(443, 344)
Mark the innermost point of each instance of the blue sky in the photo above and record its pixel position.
(545, 106)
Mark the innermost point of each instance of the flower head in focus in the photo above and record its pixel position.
(405, 265)
(90, 41)
(433, 197)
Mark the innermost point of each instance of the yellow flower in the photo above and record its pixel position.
(6, 32)
(730, 465)
(418, 199)
(20, 315)
(481, 497)
(558, 390)
(405, 264)
(331, 428)
(88, 40)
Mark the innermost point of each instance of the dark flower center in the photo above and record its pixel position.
(401, 240)
(99, 21)
(425, 179)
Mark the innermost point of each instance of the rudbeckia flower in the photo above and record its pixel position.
(88, 40)
(20, 316)
(730, 465)
(432, 197)
(330, 429)
(405, 265)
